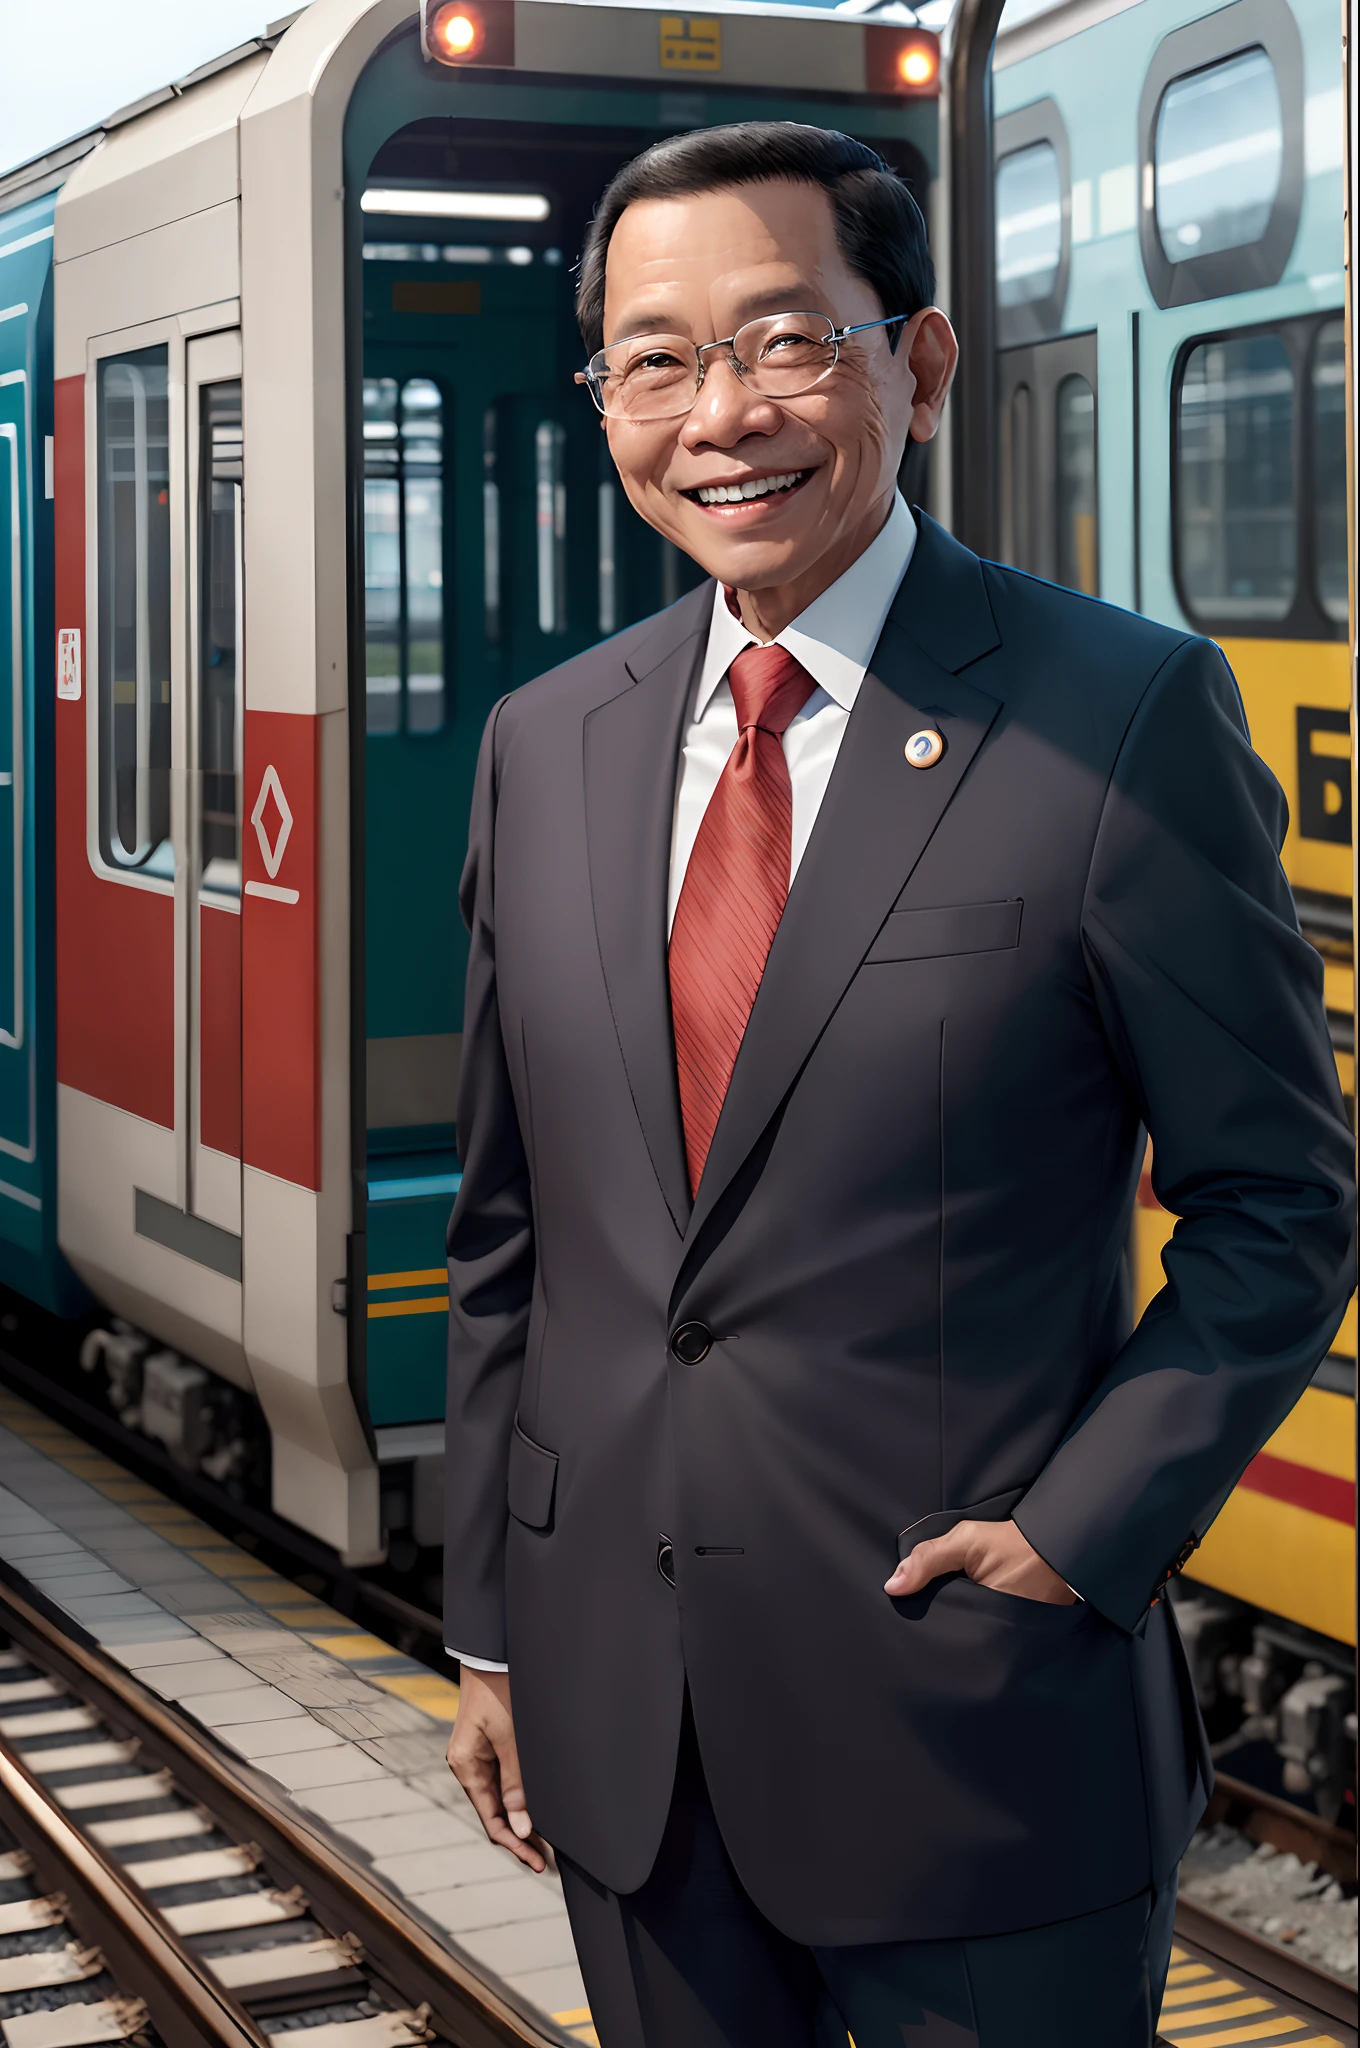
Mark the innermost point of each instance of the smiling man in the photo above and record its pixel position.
(837, 936)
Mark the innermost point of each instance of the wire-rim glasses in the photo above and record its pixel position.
(659, 376)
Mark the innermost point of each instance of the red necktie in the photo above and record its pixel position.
(734, 891)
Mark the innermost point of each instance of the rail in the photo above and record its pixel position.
(364, 1944)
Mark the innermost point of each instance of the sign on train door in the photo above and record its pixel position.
(208, 900)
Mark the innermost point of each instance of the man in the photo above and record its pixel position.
(836, 936)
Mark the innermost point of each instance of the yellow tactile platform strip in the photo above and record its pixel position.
(349, 1727)
(1206, 2007)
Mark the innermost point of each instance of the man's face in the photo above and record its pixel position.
(699, 267)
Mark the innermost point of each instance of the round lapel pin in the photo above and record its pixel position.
(924, 749)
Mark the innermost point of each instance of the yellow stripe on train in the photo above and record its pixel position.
(1274, 1553)
(1277, 678)
(420, 1305)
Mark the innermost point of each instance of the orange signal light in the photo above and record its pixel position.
(454, 32)
(901, 63)
(917, 65)
(457, 32)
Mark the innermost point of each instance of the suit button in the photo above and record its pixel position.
(665, 1560)
(692, 1343)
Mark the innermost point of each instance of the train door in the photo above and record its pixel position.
(18, 1107)
(208, 1010)
(1047, 483)
(497, 544)
(446, 559)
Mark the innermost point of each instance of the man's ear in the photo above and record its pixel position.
(933, 355)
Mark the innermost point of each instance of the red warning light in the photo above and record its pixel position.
(458, 32)
(905, 62)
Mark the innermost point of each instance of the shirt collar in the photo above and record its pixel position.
(835, 637)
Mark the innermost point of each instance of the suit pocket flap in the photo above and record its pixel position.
(999, 1508)
(958, 928)
(533, 1481)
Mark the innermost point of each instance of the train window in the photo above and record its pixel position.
(1020, 448)
(404, 554)
(608, 568)
(1221, 144)
(219, 705)
(1075, 465)
(1237, 537)
(550, 520)
(1028, 224)
(1328, 382)
(491, 531)
(1218, 157)
(133, 436)
(1032, 223)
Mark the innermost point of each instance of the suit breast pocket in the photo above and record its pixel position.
(930, 934)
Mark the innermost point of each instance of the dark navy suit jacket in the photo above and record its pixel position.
(991, 978)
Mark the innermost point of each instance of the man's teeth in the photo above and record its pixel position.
(758, 487)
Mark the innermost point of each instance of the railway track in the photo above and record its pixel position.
(220, 1842)
(1251, 1979)
(154, 1888)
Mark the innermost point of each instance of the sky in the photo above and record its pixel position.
(67, 63)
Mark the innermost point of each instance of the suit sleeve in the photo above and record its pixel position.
(491, 1267)
(1212, 1005)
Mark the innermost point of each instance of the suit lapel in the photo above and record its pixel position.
(875, 822)
(631, 756)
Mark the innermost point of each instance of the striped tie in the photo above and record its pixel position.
(734, 891)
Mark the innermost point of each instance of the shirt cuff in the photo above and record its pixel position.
(476, 1663)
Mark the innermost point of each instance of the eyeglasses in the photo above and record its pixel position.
(658, 376)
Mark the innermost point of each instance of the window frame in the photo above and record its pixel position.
(1042, 367)
(1306, 618)
(1037, 319)
(1214, 39)
(170, 335)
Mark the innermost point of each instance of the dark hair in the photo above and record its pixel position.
(879, 229)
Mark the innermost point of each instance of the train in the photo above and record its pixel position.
(294, 484)
(1171, 434)
(297, 484)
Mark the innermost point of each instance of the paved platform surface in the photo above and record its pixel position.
(351, 1729)
(354, 1731)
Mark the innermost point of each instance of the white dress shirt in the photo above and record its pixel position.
(834, 639)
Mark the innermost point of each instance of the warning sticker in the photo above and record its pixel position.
(68, 662)
(691, 42)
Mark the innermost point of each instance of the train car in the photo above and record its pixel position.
(1171, 435)
(303, 446)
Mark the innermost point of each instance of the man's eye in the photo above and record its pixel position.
(787, 344)
(657, 366)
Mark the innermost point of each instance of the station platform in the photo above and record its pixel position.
(353, 1731)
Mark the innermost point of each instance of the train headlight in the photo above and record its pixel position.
(458, 32)
(902, 61)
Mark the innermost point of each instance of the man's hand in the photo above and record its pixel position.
(994, 1554)
(483, 1758)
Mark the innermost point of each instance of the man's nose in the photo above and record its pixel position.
(726, 409)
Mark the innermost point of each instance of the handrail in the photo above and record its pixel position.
(972, 271)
